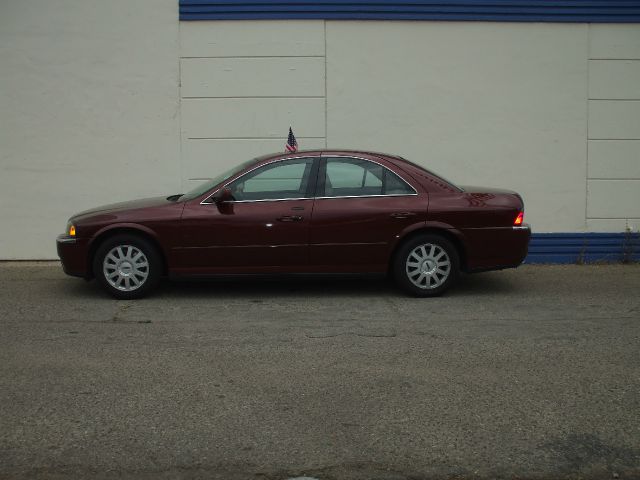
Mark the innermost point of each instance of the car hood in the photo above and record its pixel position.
(130, 205)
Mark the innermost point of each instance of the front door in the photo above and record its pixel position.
(265, 228)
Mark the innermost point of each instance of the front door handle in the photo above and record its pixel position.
(290, 218)
(403, 214)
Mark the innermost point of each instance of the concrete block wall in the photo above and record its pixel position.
(89, 112)
(550, 110)
(492, 104)
(613, 173)
(496, 104)
(117, 100)
(242, 85)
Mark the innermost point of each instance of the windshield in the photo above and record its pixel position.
(210, 183)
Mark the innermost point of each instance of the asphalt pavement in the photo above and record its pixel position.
(531, 373)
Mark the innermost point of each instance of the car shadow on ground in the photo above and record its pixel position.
(489, 283)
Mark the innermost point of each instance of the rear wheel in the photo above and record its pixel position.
(127, 266)
(426, 265)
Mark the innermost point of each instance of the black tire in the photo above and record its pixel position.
(130, 245)
(423, 275)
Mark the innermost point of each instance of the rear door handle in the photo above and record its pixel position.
(402, 214)
(290, 218)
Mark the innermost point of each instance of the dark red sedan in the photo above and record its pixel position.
(306, 212)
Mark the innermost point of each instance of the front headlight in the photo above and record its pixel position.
(71, 229)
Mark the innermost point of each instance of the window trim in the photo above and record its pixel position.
(312, 181)
(323, 170)
(315, 172)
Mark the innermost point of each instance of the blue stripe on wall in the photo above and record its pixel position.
(583, 247)
(452, 10)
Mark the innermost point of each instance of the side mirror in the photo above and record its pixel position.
(224, 195)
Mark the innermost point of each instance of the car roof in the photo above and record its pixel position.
(394, 159)
(324, 151)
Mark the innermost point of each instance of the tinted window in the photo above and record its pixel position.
(349, 177)
(394, 185)
(280, 180)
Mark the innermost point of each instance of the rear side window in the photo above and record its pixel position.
(352, 177)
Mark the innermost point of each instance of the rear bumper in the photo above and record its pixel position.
(497, 248)
(521, 239)
(73, 253)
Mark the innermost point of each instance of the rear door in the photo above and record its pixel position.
(361, 205)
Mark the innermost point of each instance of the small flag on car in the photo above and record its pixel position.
(292, 145)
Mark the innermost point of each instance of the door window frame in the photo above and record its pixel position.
(322, 175)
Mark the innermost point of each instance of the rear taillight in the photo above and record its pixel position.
(519, 219)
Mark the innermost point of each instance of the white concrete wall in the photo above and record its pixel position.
(242, 85)
(89, 112)
(613, 178)
(113, 100)
(495, 104)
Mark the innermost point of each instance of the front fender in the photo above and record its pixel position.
(123, 226)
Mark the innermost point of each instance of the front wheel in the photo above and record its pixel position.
(127, 266)
(426, 265)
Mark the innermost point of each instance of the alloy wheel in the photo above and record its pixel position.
(125, 267)
(428, 266)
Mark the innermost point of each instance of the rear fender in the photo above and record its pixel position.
(446, 230)
(430, 226)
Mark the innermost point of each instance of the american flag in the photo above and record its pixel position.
(292, 145)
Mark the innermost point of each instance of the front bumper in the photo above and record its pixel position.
(73, 253)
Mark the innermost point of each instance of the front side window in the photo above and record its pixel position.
(352, 177)
(276, 181)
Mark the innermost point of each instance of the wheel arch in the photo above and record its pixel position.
(449, 233)
(131, 229)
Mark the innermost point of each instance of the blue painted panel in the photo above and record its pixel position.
(583, 247)
(452, 10)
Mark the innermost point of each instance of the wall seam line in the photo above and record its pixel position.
(326, 119)
(180, 151)
(252, 56)
(255, 96)
(614, 218)
(586, 140)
